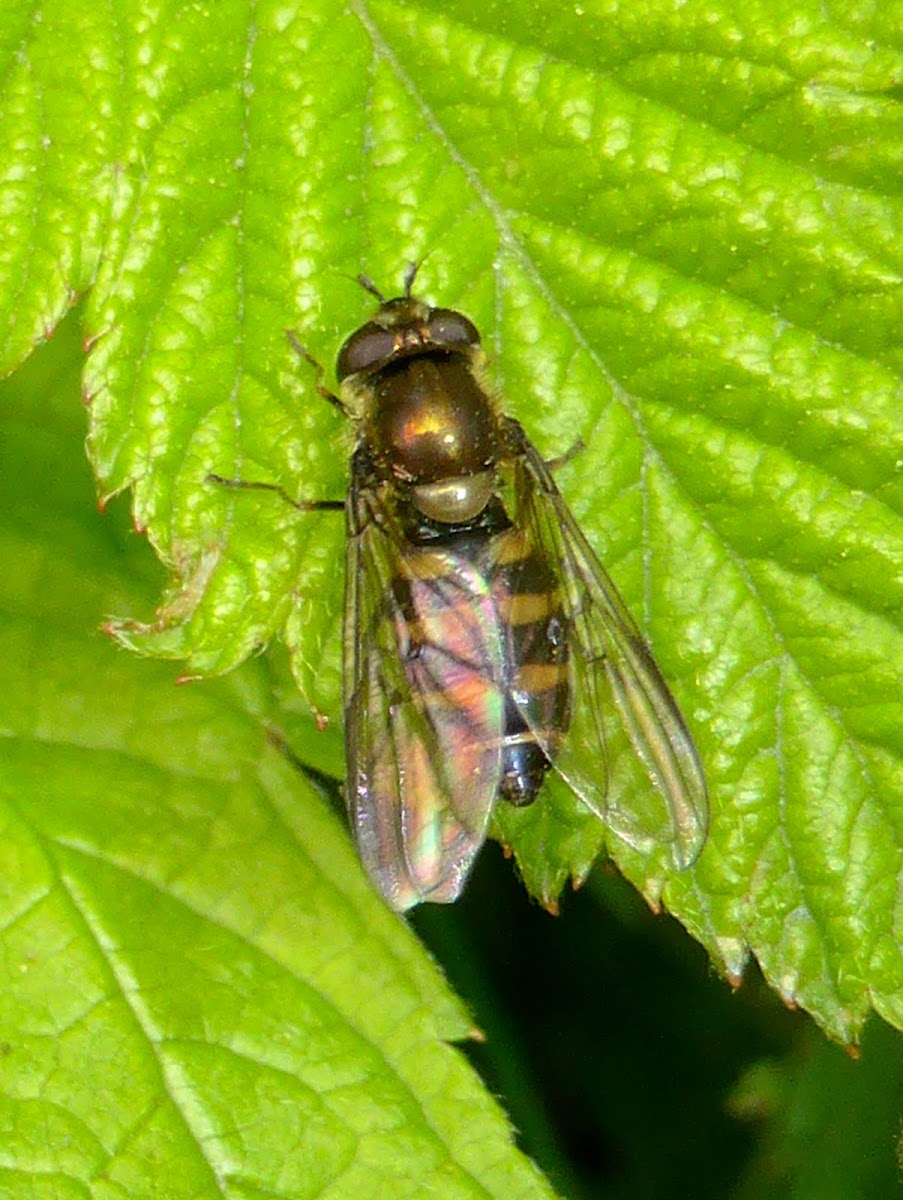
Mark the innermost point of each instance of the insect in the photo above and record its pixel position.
(484, 643)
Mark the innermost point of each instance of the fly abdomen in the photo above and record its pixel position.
(537, 704)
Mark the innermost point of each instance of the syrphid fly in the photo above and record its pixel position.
(484, 643)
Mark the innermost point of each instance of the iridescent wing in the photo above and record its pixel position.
(617, 688)
(423, 706)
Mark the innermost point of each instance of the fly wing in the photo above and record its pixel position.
(424, 707)
(617, 688)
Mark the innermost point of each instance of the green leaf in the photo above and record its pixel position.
(821, 1098)
(678, 228)
(200, 995)
(60, 142)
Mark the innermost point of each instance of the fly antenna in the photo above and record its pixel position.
(411, 272)
(369, 286)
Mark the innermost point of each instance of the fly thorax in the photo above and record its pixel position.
(429, 420)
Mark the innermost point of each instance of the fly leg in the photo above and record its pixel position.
(562, 459)
(256, 485)
(519, 446)
(302, 352)
(260, 486)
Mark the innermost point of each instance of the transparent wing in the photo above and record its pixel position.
(424, 708)
(617, 689)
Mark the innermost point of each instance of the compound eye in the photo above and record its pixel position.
(368, 346)
(449, 328)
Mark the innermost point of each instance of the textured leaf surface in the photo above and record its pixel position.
(59, 140)
(199, 994)
(679, 229)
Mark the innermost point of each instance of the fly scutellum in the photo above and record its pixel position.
(484, 644)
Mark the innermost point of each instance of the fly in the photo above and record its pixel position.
(484, 642)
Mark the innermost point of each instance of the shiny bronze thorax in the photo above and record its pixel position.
(425, 417)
